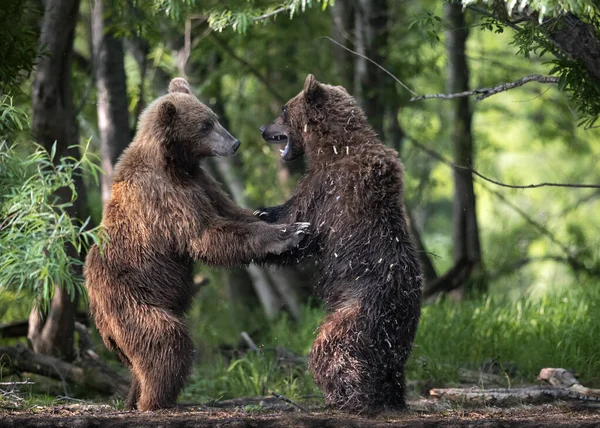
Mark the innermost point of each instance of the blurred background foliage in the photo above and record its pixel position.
(540, 248)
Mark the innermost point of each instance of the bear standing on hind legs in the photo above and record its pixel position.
(164, 213)
(370, 279)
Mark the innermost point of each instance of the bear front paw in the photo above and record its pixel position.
(290, 236)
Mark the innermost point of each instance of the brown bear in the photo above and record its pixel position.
(164, 213)
(370, 278)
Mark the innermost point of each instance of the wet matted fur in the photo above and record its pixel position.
(370, 278)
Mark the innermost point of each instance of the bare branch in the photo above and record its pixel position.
(442, 159)
(570, 259)
(372, 62)
(488, 92)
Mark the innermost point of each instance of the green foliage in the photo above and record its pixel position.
(35, 228)
(18, 42)
(251, 12)
(12, 119)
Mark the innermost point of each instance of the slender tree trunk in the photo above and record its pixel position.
(465, 228)
(113, 112)
(54, 123)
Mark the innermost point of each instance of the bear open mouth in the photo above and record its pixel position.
(280, 139)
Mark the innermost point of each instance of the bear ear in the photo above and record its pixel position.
(179, 84)
(167, 112)
(313, 91)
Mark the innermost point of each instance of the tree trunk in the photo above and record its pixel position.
(465, 229)
(54, 122)
(113, 112)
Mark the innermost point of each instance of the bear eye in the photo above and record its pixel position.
(206, 126)
(283, 111)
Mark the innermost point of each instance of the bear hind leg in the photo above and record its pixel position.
(339, 364)
(163, 374)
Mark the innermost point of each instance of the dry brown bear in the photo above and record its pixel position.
(164, 213)
(370, 278)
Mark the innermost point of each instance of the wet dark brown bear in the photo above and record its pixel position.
(370, 279)
(165, 212)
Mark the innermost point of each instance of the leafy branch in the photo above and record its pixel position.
(239, 20)
(36, 231)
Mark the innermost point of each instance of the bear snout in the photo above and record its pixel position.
(262, 129)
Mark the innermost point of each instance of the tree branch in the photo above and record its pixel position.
(442, 159)
(488, 92)
(445, 283)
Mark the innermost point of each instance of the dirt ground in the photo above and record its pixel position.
(269, 412)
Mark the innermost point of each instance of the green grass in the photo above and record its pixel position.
(559, 330)
(252, 375)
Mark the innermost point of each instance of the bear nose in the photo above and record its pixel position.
(262, 129)
(236, 145)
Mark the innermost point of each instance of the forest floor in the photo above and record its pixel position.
(270, 412)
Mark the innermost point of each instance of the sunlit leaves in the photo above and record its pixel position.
(240, 19)
(38, 239)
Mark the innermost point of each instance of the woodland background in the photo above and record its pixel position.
(512, 270)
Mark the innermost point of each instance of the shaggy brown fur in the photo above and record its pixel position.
(370, 279)
(164, 213)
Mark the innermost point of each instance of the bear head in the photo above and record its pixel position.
(314, 119)
(188, 129)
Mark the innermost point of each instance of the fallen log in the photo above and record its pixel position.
(501, 396)
(91, 374)
(564, 386)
